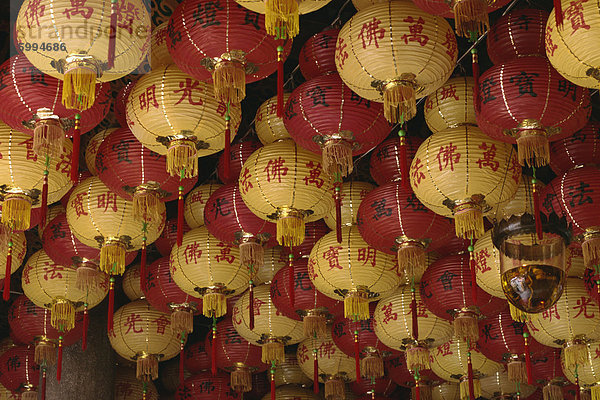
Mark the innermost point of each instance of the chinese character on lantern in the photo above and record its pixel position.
(52, 271)
(275, 169)
(415, 31)
(388, 315)
(371, 32)
(314, 175)
(489, 156)
(187, 88)
(245, 183)
(332, 256)
(161, 323)
(192, 253)
(574, 13)
(448, 156)
(78, 7)
(524, 82)
(107, 201)
(550, 313)
(367, 254)
(148, 98)
(225, 253)
(582, 307)
(132, 319)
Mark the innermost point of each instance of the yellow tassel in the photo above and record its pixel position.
(45, 353)
(62, 315)
(464, 388)
(48, 137)
(79, 88)
(595, 392)
(575, 355)
(356, 305)
(273, 351)
(252, 254)
(337, 157)
(182, 155)
(241, 379)
(229, 79)
(517, 371)
(16, 211)
(591, 247)
(399, 101)
(519, 315)
(87, 277)
(552, 392)
(471, 16)
(335, 389)
(533, 148)
(112, 257)
(214, 304)
(182, 320)
(417, 357)
(29, 395)
(282, 18)
(411, 258)
(372, 366)
(147, 367)
(290, 230)
(468, 221)
(146, 205)
(466, 327)
(315, 325)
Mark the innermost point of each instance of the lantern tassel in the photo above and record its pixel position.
(282, 18)
(182, 158)
(411, 258)
(471, 16)
(76, 146)
(43, 385)
(16, 211)
(79, 87)
(552, 392)
(316, 372)
(227, 147)
(591, 249)
(280, 76)
(251, 253)
(517, 371)
(112, 37)
(251, 308)
(575, 354)
(213, 349)
(48, 134)
(578, 393)
(371, 366)
(466, 326)
(558, 13)
(417, 391)
(399, 101)
(314, 325)
(528, 359)
(533, 148)
(338, 208)
(291, 282)
(62, 315)
(414, 311)
(357, 356)
(111, 304)
(45, 353)
(475, 64)
(356, 306)
(181, 359)
(214, 304)
(404, 160)
(147, 368)
(146, 204)
(59, 360)
(468, 221)
(273, 351)
(86, 277)
(112, 257)
(519, 315)
(180, 213)
(273, 380)
(595, 392)
(86, 321)
(470, 376)
(334, 389)
(8, 271)
(337, 157)
(182, 320)
(229, 78)
(291, 230)
(241, 379)
(417, 357)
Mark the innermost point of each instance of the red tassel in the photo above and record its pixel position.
(227, 149)
(213, 349)
(357, 356)
(181, 358)
(413, 310)
(44, 383)
(475, 60)
(578, 393)
(251, 311)
(470, 376)
(111, 304)
(143, 267)
(558, 14)
(338, 209)
(473, 268)
(280, 81)
(6, 293)
(76, 145)
(316, 373)
(180, 214)
(291, 282)
(86, 321)
(528, 359)
(44, 206)
(59, 360)
(536, 210)
(273, 380)
(417, 391)
(112, 38)
(404, 161)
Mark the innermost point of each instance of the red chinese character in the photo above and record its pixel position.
(531, 327)
(581, 306)
(311, 268)
(416, 31)
(367, 254)
(33, 12)
(448, 156)
(148, 99)
(326, 349)
(314, 174)
(258, 303)
(331, 256)
(192, 253)
(64, 162)
(29, 146)
(127, 14)
(388, 315)
(574, 13)
(421, 310)
(131, 321)
(245, 183)
(221, 109)
(161, 323)
(371, 32)
(450, 44)
(77, 204)
(481, 260)
(597, 351)
(26, 272)
(235, 316)
(196, 197)
(186, 88)
(550, 46)
(489, 156)
(107, 200)
(275, 169)
(341, 54)
(444, 350)
(225, 254)
(52, 271)
(79, 7)
(550, 313)
(447, 92)
(416, 174)
(302, 354)
(516, 170)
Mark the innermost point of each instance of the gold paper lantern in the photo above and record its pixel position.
(271, 174)
(289, 372)
(270, 127)
(131, 283)
(462, 173)
(203, 266)
(99, 218)
(292, 392)
(273, 260)
(83, 43)
(588, 374)
(451, 105)
(487, 264)
(92, 148)
(353, 271)
(272, 331)
(127, 387)
(498, 386)
(195, 201)
(144, 335)
(521, 203)
(445, 391)
(54, 287)
(174, 114)
(393, 52)
(351, 194)
(159, 55)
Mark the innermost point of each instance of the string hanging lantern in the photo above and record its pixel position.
(393, 52)
(386, 161)
(20, 374)
(451, 105)
(582, 148)
(195, 202)
(317, 55)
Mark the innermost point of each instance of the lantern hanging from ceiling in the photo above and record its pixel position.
(289, 372)
(144, 335)
(393, 220)
(195, 387)
(487, 264)
(236, 158)
(527, 102)
(439, 171)
(174, 114)
(268, 124)
(451, 105)
(92, 148)
(292, 392)
(274, 171)
(196, 358)
(499, 385)
(585, 376)
(131, 283)
(352, 194)
(127, 387)
(317, 55)
(393, 52)
(159, 55)
(205, 267)
(386, 160)
(195, 202)
(19, 373)
(352, 270)
(232, 45)
(582, 148)
(235, 355)
(324, 116)
(168, 237)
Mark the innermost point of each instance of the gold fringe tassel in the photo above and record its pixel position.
(468, 221)
(290, 230)
(112, 258)
(595, 392)
(591, 249)
(16, 211)
(282, 18)
(471, 16)
(62, 315)
(417, 357)
(356, 306)
(241, 379)
(464, 388)
(552, 392)
(79, 88)
(399, 100)
(517, 372)
(334, 389)
(147, 368)
(273, 351)
(252, 254)
(533, 148)
(87, 278)
(146, 205)
(45, 353)
(520, 315)
(315, 325)
(214, 304)
(411, 258)
(29, 395)
(182, 320)
(229, 79)
(48, 137)
(372, 366)
(466, 327)
(337, 157)
(182, 155)
(585, 395)
(575, 354)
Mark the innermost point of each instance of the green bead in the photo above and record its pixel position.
(533, 181)
(401, 133)
(471, 248)
(77, 116)
(280, 49)
(10, 244)
(525, 334)
(473, 51)
(227, 118)
(112, 279)
(46, 172)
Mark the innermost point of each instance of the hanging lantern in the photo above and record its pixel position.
(423, 49)
(205, 267)
(500, 386)
(409, 326)
(159, 55)
(273, 260)
(144, 335)
(268, 124)
(317, 55)
(572, 196)
(351, 195)
(392, 220)
(170, 376)
(289, 372)
(292, 392)
(548, 373)
(449, 291)
(99, 218)
(168, 237)
(312, 233)
(396, 368)
(585, 376)
(174, 114)
(195, 202)
(451, 105)
(271, 173)
(205, 386)
(239, 54)
(386, 160)
(272, 331)
(374, 387)
(235, 355)
(352, 270)
(570, 323)
(82, 60)
(524, 101)
(131, 283)
(196, 358)
(92, 149)
(238, 155)
(310, 306)
(455, 361)
(31, 105)
(487, 262)
(582, 148)
(333, 368)
(324, 116)
(127, 387)
(19, 373)
(54, 287)
(438, 176)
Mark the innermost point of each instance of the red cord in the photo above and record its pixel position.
(76, 145)
(8, 270)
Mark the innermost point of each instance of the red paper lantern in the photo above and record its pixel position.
(397, 370)
(527, 102)
(19, 373)
(230, 43)
(120, 104)
(308, 304)
(383, 386)
(196, 358)
(313, 232)
(238, 154)
(518, 33)
(235, 355)
(324, 116)
(582, 148)
(168, 237)
(260, 386)
(317, 55)
(385, 163)
(80, 177)
(205, 386)
(547, 371)
(393, 220)
(163, 294)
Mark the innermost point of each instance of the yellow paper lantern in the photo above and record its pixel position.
(272, 331)
(352, 271)
(22, 177)
(445, 391)
(352, 194)
(195, 201)
(393, 52)
(144, 335)
(127, 387)
(292, 392)
(487, 264)
(571, 48)
(99, 218)
(451, 105)
(53, 211)
(81, 43)
(131, 283)
(462, 173)
(273, 260)
(159, 55)
(289, 372)
(588, 374)
(498, 386)
(270, 127)
(521, 203)
(174, 114)
(272, 174)
(203, 266)
(54, 286)
(92, 148)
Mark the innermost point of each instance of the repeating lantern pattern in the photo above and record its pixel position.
(317, 56)
(581, 148)
(385, 162)
(128, 387)
(20, 374)
(451, 105)
(268, 124)
(351, 195)
(500, 383)
(238, 154)
(292, 392)
(288, 372)
(159, 54)
(131, 283)
(92, 148)
(195, 202)
(205, 386)
(196, 358)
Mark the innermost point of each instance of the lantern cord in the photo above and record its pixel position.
(43, 383)
(339, 14)
(280, 81)
(536, 206)
(518, 387)
(251, 295)
(291, 278)
(338, 206)
(44, 206)
(475, 61)
(227, 147)
(59, 359)
(578, 394)
(413, 309)
(470, 372)
(86, 321)
(417, 388)
(558, 13)
(181, 357)
(316, 371)
(145, 390)
(473, 268)
(111, 304)
(403, 157)
(273, 380)
(76, 145)
(180, 209)
(528, 359)
(213, 358)
(112, 38)
(357, 351)
(143, 261)
(8, 270)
